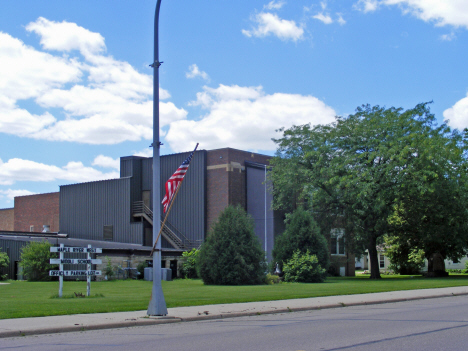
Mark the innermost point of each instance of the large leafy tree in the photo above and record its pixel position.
(375, 168)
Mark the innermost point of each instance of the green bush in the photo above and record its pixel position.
(4, 262)
(189, 264)
(141, 269)
(304, 268)
(404, 258)
(302, 233)
(272, 279)
(231, 255)
(35, 258)
(109, 271)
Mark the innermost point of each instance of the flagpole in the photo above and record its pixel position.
(157, 304)
(169, 209)
(165, 218)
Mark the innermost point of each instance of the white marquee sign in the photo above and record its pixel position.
(88, 273)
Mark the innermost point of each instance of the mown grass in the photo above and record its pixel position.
(31, 299)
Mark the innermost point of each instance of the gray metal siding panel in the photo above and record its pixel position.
(147, 174)
(135, 180)
(13, 248)
(257, 188)
(125, 167)
(188, 213)
(85, 209)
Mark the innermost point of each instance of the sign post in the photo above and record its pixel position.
(88, 273)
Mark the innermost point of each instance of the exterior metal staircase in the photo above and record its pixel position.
(169, 232)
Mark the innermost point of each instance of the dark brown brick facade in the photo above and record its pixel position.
(347, 261)
(226, 179)
(37, 211)
(7, 219)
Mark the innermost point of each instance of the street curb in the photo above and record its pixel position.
(312, 308)
(145, 321)
(81, 328)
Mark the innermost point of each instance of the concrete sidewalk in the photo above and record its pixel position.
(81, 322)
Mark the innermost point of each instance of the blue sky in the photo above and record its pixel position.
(76, 86)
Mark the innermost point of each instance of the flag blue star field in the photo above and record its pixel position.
(174, 181)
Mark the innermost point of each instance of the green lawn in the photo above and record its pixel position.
(28, 299)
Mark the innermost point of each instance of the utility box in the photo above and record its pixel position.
(166, 274)
(148, 274)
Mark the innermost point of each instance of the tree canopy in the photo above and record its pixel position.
(385, 171)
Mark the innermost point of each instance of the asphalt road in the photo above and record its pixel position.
(431, 324)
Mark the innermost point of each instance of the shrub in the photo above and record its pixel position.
(272, 279)
(304, 268)
(141, 269)
(35, 260)
(189, 264)
(455, 271)
(302, 233)
(231, 255)
(404, 258)
(109, 269)
(466, 267)
(4, 262)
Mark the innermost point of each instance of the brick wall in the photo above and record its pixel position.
(7, 219)
(226, 179)
(37, 210)
(347, 261)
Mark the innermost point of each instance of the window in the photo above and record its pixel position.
(108, 232)
(337, 241)
(382, 261)
(31, 228)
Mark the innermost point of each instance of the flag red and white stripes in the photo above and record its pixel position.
(174, 181)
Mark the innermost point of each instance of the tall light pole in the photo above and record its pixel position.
(157, 304)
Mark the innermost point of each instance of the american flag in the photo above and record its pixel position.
(174, 181)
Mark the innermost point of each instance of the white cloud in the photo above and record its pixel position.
(17, 170)
(448, 37)
(442, 12)
(66, 36)
(458, 114)
(323, 18)
(148, 152)
(274, 5)
(10, 194)
(26, 73)
(245, 118)
(340, 19)
(366, 5)
(107, 162)
(194, 72)
(271, 24)
(99, 100)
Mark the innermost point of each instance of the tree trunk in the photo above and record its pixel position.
(435, 265)
(374, 259)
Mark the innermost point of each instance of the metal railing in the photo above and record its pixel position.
(170, 232)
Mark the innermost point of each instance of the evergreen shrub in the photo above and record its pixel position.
(302, 234)
(231, 255)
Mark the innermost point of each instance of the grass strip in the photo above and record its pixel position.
(33, 299)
